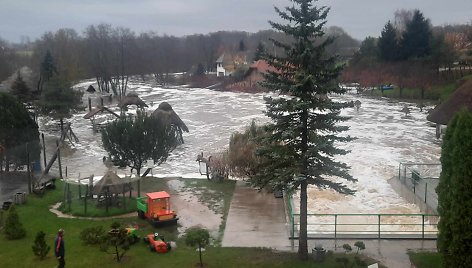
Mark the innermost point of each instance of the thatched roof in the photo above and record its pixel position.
(461, 98)
(165, 112)
(110, 183)
(132, 99)
(91, 89)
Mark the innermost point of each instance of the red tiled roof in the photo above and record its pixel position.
(262, 66)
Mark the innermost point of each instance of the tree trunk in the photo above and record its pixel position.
(139, 181)
(200, 251)
(302, 237)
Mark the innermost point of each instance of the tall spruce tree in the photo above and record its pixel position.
(388, 44)
(259, 51)
(454, 192)
(417, 38)
(304, 131)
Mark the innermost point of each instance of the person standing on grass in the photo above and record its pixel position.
(59, 249)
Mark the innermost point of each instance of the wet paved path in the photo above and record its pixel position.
(255, 219)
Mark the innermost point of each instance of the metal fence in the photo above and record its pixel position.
(368, 226)
(422, 180)
(364, 226)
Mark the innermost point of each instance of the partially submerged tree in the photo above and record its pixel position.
(242, 151)
(454, 195)
(132, 142)
(199, 237)
(304, 131)
(59, 100)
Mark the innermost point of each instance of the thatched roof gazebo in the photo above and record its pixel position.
(460, 99)
(165, 112)
(131, 99)
(110, 183)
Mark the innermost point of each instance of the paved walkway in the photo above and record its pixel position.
(257, 219)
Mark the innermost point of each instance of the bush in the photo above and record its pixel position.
(93, 235)
(13, 227)
(40, 248)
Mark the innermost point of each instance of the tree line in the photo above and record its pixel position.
(411, 53)
(111, 54)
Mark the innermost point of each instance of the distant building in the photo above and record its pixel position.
(253, 76)
(220, 70)
(226, 64)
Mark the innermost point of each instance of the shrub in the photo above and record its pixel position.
(13, 227)
(40, 248)
(93, 235)
(359, 245)
(347, 248)
(196, 236)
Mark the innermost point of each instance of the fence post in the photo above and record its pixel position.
(379, 226)
(425, 191)
(422, 225)
(335, 225)
(293, 225)
(399, 171)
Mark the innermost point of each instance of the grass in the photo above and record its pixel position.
(35, 216)
(212, 197)
(96, 209)
(436, 93)
(426, 259)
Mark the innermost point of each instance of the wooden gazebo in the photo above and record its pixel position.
(460, 99)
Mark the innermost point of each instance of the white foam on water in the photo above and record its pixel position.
(385, 137)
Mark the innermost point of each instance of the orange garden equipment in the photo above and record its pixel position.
(156, 208)
(157, 243)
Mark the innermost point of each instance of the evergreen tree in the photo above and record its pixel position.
(417, 38)
(242, 46)
(388, 45)
(455, 195)
(17, 129)
(13, 227)
(132, 142)
(20, 89)
(259, 51)
(40, 248)
(59, 100)
(304, 131)
(46, 70)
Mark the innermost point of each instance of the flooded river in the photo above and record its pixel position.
(385, 137)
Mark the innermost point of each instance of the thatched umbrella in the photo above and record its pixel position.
(461, 98)
(165, 112)
(110, 183)
(91, 89)
(132, 99)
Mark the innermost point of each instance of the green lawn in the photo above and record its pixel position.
(426, 259)
(35, 216)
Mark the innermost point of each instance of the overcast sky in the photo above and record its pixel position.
(359, 18)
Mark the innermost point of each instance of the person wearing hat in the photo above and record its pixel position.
(59, 248)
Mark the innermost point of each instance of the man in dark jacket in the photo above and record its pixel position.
(59, 249)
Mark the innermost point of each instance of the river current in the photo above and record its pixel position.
(385, 137)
